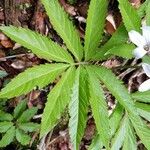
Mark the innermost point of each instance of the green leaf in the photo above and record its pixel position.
(37, 76)
(4, 126)
(143, 106)
(146, 59)
(130, 17)
(8, 137)
(148, 14)
(3, 74)
(29, 127)
(99, 108)
(123, 50)
(119, 137)
(64, 27)
(5, 116)
(40, 45)
(142, 130)
(21, 137)
(20, 108)
(78, 108)
(96, 143)
(142, 96)
(130, 138)
(116, 87)
(57, 100)
(144, 110)
(95, 25)
(119, 37)
(142, 8)
(27, 115)
(115, 118)
(122, 95)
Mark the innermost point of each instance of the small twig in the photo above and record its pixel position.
(49, 138)
(37, 116)
(41, 145)
(57, 138)
(13, 56)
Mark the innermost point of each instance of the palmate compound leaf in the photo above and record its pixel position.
(78, 107)
(38, 44)
(130, 16)
(122, 95)
(99, 108)
(39, 76)
(95, 25)
(119, 37)
(57, 100)
(64, 27)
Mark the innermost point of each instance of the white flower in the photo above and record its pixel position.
(141, 41)
(145, 86)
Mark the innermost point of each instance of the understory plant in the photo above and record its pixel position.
(83, 80)
(17, 126)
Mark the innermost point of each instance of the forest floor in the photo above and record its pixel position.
(15, 59)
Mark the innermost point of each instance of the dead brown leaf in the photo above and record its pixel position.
(7, 44)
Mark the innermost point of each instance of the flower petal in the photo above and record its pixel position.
(139, 52)
(146, 33)
(137, 38)
(146, 68)
(145, 86)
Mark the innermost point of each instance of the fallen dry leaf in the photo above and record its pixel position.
(7, 44)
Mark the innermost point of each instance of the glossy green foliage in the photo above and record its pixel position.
(18, 125)
(82, 84)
